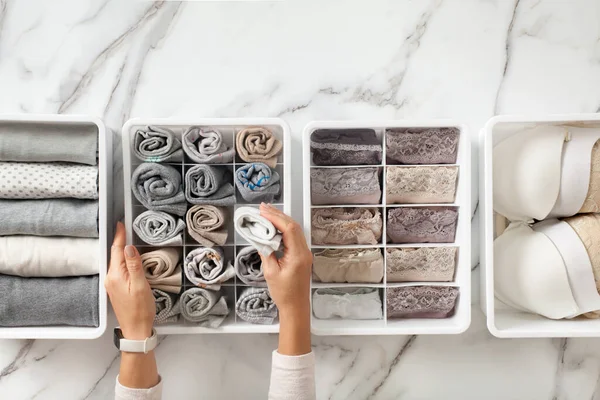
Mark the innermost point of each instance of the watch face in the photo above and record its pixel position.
(117, 336)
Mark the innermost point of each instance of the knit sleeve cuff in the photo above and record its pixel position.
(125, 393)
(293, 362)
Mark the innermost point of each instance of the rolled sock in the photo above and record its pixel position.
(48, 181)
(204, 307)
(257, 183)
(347, 303)
(256, 306)
(159, 228)
(205, 184)
(158, 188)
(206, 146)
(41, 142)
(163, 269)
(258, 145)
(168, 307)
(69, 301)
(53, 217)
(257, 230)
(38, 256)
(207, 225)
(248, 267)
(205, 267)
(156, 144)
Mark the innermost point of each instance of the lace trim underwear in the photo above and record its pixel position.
(345, 147)
(347, 303)
(422, 224)
(346, 225)
(348, 265)
(345, 186)
(421, 301)
(433, 264)
(410, 185)
(422, 145)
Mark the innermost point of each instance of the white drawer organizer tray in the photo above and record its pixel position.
(229, 128)
(461, 318)
(105, 228)
(502, 321)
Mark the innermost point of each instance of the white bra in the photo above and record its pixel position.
(544, 269)
(543, 172)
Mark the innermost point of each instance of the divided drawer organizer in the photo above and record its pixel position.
(229, 128)
(56, 124)
(458, 319)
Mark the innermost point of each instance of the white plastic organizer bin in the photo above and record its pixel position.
(105, 227)
(229, 127)
(503, 321)
(461, 318)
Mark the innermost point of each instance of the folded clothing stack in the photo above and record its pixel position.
(49, 225)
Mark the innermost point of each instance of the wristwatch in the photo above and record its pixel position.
(135, 346)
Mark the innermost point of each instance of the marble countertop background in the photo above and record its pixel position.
(304, 60)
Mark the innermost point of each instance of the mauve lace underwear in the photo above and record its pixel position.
(421, 224)
(421, 264)
(345, 185)
(410, 185)
(422, 145)
(346, 225)
(345, 147)
(421, 301)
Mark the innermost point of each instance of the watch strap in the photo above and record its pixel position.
(139, 346)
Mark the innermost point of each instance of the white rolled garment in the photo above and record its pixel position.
(38, 256)
(257, 230)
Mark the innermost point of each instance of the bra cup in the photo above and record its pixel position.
(530, 274)
(527, 172)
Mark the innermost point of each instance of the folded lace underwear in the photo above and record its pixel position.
(422, 224)
(345, 147)
(421, 301)
(410, 185)
(421, 264)
(421, 145)
(346, 225)
(348, 265)
(345, 186)
(347, 303)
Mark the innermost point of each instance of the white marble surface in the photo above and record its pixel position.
(304, 60)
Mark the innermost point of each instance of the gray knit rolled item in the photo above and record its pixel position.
(205, 184)
(206, 146)
(204, 307)
(205, 267)
(256, 306)
(159, 228)
(158, 188)
(156, 144)
(257, 183)
(207, 225)
(257, 230)
(248, 267)
(168, 307)
(258, 144)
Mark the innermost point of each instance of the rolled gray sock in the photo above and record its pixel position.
(206, 146)
(168, 307)
(156, 144)
(158, 188)
(256, 306)
(204, 307)
(159, 228)
(53, 217)
(257, 183)
(205, 184)
(248, 267)
(69, 301)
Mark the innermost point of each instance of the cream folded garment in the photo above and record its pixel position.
(206, 308)
(48, 181)
(348, 265)
(37, 256)
(347, 303)
(163, 269)
(257, 230)
(205, 267)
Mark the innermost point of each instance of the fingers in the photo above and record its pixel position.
(134, 264)
(293, 238)
(116, 251)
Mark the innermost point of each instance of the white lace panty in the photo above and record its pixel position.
(345, 186)
(410, 185)
(422, 264)
(347, 303)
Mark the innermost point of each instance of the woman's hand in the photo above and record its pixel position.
(129, 290)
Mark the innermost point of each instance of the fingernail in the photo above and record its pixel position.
(130, 251)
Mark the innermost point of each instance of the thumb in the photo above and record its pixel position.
(134, 263)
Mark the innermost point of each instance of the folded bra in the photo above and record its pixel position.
(346, 225)
(547, 172)
(345, 186)
(345, 147)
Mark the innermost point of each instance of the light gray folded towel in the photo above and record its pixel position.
(158, 188)
(159, 228)
(256, 306)
(206, 146)
(168, 307)
(53, 217)
(205, 184)
(257, 183)
(257, 230)
(42, 142)
(156, 144)
(205, 267)
(207, 225)
(204, 307)
(69, 301)
(248, 267)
